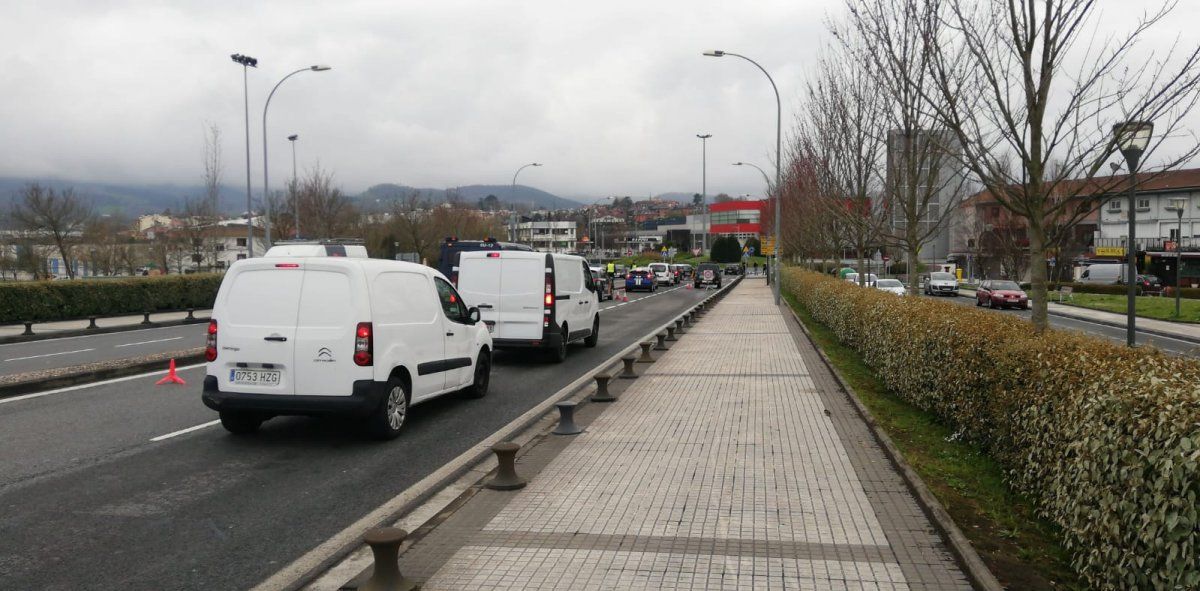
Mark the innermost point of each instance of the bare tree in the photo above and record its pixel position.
(1029, 123)
(324, 208)
(60, 215)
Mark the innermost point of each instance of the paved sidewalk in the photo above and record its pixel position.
(734, 462)
(12, 330)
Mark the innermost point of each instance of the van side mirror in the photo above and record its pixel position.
(473, 315)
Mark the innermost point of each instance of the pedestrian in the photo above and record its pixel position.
(756, 267)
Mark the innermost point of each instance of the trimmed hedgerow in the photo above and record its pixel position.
(1104, 438)
(63, 300)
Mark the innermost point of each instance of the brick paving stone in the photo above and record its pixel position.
(735, 462)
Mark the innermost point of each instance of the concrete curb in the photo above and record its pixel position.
(103, 370)
(79, 332)
(981, 577)
(313, 564)
(1114, 324)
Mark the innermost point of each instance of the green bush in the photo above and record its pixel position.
(62, 300)
(1104, 438)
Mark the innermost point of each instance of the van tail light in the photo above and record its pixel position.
(454, 277)
(364, 344)
(210, 344)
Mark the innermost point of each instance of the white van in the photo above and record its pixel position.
(339, 336)
(1104, 273)
(532, 299)
(662, 272)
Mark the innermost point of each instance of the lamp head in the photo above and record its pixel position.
(704, 136)
(1177, 205)
(715, 53)
(739, 163)
(536, 164)
(244, 60)
(1133, 136)
(320, 68)
(294, 137)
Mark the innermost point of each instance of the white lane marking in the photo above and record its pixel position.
(183, 431)
(148, 342)
(93, 384)
(199, 325)
(50, 355)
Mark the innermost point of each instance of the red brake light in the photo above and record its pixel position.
(493, 255)
(287, 265)
(210, 343)
(363, 344)
(549, 299)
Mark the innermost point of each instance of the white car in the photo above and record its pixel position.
(940, 283)
(853, 278)
(532, 299)
(662, 272)
(339, 336)
(890, 286)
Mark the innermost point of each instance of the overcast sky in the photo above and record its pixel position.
(608, 95)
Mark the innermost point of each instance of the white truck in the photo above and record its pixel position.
(532, 299)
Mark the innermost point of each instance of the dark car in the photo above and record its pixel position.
(452, 247)
(733, 269)
(1000, 293)
(604, 283)
(1149, 285)
(707, 274)
(640, 279)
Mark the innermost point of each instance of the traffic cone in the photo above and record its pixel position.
(171, 377)
(625, 298)
(689, 285)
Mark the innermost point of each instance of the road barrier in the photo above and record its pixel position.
(506, 473)
(646, 357)
(385, 547)
(566, 419)
(602, 394)
(662, 341)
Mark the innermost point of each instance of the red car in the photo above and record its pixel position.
(1001, 294)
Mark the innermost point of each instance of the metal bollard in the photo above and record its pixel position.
(191, 317)
(602, 394)
(671, 334)
(506, 475)
(146, 318)
(566, 420)
(28, 328)
(92, 323)
(385, 545)
(662, 341)
(680, 325)
(646, 358)
(628, 374)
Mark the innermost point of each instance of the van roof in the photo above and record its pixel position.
(317, 249)
(365, 264)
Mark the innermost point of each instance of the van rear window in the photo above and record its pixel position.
(326, 300)
(265, 297)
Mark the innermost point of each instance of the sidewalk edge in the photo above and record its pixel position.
(82, 374)
(968, 558)
(82, 332)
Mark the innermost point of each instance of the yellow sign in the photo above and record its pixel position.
(1110, 251)
(768, 246)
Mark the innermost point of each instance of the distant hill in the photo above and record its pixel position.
(127, 199)
(679, 197)
(471, 194)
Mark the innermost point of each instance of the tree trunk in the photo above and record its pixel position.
(1037, 273)
(913, 247)
(64, 252)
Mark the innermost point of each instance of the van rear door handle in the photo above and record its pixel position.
(277, 339)
(449, 334)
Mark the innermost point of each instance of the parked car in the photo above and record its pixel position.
(1001, 293)
(941, 284)
(733, 269)
(533, 299)
(662, 272)
(1103, 273)
(1149, 285)
(604, 283)
(891, 286)
(853, 278)
(707, 274)
(685, 271)
(323, 335)
(640, 279)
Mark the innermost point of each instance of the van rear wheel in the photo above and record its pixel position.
(386, 421)
(593, 338)
(558, 353)
(240, 423)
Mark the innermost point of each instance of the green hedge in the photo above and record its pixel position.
(61, 300)
(1104, 438)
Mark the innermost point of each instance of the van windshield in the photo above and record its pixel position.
(942, 277)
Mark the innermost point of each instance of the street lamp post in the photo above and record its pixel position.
(266, 185)
(512, 201)
(247, 62)
(778, 167)
(1132, 138)
(1178, 204)
(704, 190)
(760, 171)
(295, 187)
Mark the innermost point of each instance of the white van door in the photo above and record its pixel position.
(256, 324)
(459, 335)
(325, 332)
(522, 293)
(479, 284)
(408, 327)
(568, 284)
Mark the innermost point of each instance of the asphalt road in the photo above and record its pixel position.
(1112, 333)
(67, 351)
(98, 493)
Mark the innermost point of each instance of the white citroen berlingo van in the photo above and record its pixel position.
(532, 299)
(322, 335)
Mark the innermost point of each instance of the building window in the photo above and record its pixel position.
(1143, 204)
(1174, 234)
(241, 242)
(1114, 205)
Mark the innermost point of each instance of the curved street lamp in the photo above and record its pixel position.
(778, 168)
(1132, 138)
(512, 200)
(760, 170)
(266, 184)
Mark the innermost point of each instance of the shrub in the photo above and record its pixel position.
(1104, 438)
(61, 300)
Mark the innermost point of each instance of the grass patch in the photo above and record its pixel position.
(1161, 308)
(1021, 549)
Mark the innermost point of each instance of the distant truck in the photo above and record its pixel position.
(452, 249)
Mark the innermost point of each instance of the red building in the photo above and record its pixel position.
(742, 219)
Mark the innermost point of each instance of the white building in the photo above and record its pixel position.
(549, 236)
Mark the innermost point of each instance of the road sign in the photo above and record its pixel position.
(886, 259)
(768, 246)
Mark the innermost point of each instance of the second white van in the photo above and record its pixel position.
(532, 299)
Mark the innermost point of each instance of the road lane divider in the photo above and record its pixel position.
(148, 342)
(50, 355)
(186, 431)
